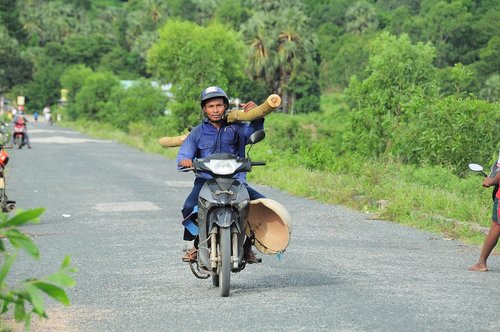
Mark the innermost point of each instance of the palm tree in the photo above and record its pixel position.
(279, 46)
(294, 48)
(48, 21)
(361, 17)
(260, 48)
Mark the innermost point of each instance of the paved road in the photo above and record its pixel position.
(115, 211)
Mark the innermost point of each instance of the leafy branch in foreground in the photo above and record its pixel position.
(28, 297)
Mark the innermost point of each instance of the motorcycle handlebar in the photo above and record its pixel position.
(258, 163)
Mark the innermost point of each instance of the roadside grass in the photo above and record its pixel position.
(426, 198)
(393, 192)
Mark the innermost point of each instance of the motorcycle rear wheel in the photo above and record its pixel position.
(225, 261)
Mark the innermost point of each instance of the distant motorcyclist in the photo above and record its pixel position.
(21, 120)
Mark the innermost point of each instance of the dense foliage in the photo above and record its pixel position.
(420, 78)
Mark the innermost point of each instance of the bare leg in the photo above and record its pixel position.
(489, 243)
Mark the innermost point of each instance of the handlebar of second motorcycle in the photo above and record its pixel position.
(258, 163)
(185, 169)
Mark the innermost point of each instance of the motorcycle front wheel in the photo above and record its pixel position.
(3, 201)
(225, 261)
(19, 141)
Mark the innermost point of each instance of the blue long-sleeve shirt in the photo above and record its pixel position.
(205, 139)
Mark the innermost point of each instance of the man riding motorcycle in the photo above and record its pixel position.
(215, 135)
(20, 121)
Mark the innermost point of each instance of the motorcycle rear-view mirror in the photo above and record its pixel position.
(257, 136)
(476, 167)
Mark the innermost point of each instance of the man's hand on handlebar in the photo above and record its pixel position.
(186, 163)
(488, 182)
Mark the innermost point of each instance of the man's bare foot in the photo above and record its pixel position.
(478, 268)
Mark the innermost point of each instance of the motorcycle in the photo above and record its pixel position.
(19, 139)
(5, 204)
(223, 223)
(493, 171)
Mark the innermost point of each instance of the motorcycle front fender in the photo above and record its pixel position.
(224, 218)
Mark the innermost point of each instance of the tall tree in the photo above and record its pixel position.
(232, 12)
(360, 18)
(261, 47)
(413, 6)
(351, 58)
(48, 21)
(14, 68)
(326, 12)
(448, 25)
(294, 50)
(9, 16)
(489, 62)
(85, 49)
(280, 46)
(184, 9)
(192, 57)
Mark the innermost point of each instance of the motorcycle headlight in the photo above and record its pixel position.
(223, 167)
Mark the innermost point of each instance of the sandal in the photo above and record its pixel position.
(250, 257)
(190, 255)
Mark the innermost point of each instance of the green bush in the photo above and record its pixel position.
(454, 132)
(140, 103)
(399, 73)
(97, 94)
(162, 126)
(73, 79)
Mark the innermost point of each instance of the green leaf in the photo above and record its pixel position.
(36, 299)
(27, 321)
(23, 217)
(9, 260)
(66, 262)
(5, 306)
(53, 291)
(8, 297)
(20, 240)
(19, 311)
(60, 278)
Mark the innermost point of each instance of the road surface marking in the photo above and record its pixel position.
(125, 206)
(180, 184)
(65, 140)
